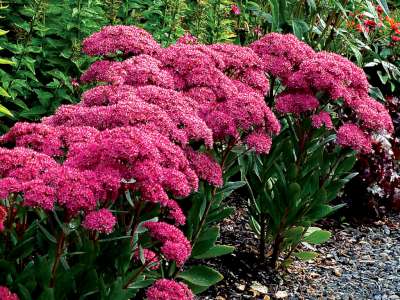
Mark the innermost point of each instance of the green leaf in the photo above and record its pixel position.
(44, 97)
(217, 250)
(23, 292)
(318, 237)
(6, 62)
(47, 294)
(220, 214)
(229, 187)
(42, 271)
(4, 93)
(4, 110)
(48, 235)
(294, 191)
(140, 284)
(300, 28)
(201, 276)
(306, 255)
(206, 240)
(3, 32)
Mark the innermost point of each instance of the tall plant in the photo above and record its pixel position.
(322, 98)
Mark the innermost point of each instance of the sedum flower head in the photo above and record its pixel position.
(169, 289)
(175, 245)
(6, 294)
(101, 221)
(127, 39)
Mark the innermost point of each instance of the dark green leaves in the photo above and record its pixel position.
(200, 277)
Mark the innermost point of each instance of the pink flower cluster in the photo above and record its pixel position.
(164, 289)
(6, 294)
(101, 221)
(175, 245)
(314, 80)
(127, 39)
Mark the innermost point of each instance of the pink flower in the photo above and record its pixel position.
(373, 114)
(205, 167)
(164, 289)
(6, 294)
(331, 73)
(38, 194)
(150, 258)
(3, 216)
(260, 142)
(350, 135)
(235, 9)
(321, 119)
(175, 245)
(281, 53)
(296, 103)
(128, 39)
(101, 221)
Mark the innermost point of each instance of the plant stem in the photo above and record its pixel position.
(276, 250)
(138, 208)
(59, 250)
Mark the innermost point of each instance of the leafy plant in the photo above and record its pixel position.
(291, 188)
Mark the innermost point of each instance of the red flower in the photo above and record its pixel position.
(370, 23)
(395, 38)
(235, 9)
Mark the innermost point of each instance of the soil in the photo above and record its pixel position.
(361, 261)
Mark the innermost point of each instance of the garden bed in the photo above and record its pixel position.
(359, 262)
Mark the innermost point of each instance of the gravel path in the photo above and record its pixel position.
(359, 262)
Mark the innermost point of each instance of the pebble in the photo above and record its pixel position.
(281, 295)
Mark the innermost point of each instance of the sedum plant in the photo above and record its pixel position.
(327, 116)
(96, 198)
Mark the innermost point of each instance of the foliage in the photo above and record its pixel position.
(44, 44)
(3, 92)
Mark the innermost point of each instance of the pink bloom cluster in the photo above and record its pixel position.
(175, 245)
(6, 294)
(314, 80)
(228, 84)
(322, 119)
(127, 39)
(282, 54)
(150, 258)
(101, 221)
(164, 289)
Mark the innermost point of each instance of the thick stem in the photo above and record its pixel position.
(59, 251)
(294, 247)
(276, 250)
(262, 237)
